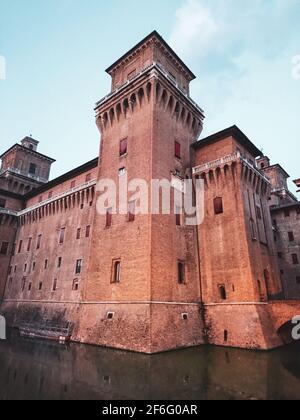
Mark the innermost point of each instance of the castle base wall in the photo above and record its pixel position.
(251, 326)
(139, 327)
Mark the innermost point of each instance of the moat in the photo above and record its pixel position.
(36, 370)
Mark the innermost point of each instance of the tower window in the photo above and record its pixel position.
(20, 247)
(62, 235)
(218, 205)
(181, 272)
(225, 336)
(131, 211)
(116, 274)
(295, 259)
(88, 177)
(222, 292)
(40, 286)
(78, 234)
(108, 218)
(87, 231)
(59, 262)
(4, 248)
(286, 213)
(54, 288)
(78, 267)
(291, 236)
(32, 169)
(39, 240)
(2, 203)
(75, 285)
(29, 244)
(177, 150)
(123, 147)
(178, 211)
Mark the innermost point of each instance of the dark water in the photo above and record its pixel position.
(45, 370)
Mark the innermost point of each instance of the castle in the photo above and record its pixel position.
(151, 282)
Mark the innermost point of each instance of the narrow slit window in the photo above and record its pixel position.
(222, 292)
(62, 235)
(116, 276)
(181, 272)
(108, 218)
(177, 150)
(123, 147)
(131, 211)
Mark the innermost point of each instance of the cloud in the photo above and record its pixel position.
(194, 25)
(242, 53)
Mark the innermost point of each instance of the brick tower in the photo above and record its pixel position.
(22, 170)
(143, 288)
(238, 265)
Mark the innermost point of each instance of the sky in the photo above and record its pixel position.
(246, 56)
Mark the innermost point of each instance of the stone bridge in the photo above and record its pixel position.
(282, 314)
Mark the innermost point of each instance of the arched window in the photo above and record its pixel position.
(218, 205)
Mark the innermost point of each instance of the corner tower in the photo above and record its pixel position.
(143, 289)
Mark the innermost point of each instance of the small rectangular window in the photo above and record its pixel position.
(39, 241)
(116, 274)
(2, 203)
(88, 177)
(87, 231)
(108, 218)
(131, 211)
(177, 150)
(54, 288)
(291, 236)
(50, 194)
(75, 285)
(29, 244)
(295, 259)
(40, 285)
(78, 267)
(286, 213)
(178, 215)
(40, 198)
(123, 147)
(62, 235)
(20, 247)
(4, 248)
(78, 234)
(23, 284)
(32, 169)
(73, 184)
(59, 262)
(222, 292)
(181, 272)
(46, 264)
(218, 205)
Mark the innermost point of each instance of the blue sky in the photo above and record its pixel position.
(56, 52)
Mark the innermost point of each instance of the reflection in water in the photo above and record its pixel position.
(45, 370)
